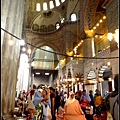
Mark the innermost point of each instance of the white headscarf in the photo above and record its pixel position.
(70, 100)
(40, 90)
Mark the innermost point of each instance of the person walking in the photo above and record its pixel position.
(72, 108)
(52, 97)
(98, 101)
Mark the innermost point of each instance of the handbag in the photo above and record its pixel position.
(84, 104)
(49, 115)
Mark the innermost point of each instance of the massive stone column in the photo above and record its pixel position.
(12, 19)
(51, 80)
(88, 47)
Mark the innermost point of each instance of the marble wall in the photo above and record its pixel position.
(11, 20)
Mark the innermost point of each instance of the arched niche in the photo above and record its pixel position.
(44, 58)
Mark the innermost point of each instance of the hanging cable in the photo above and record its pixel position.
(57, 52)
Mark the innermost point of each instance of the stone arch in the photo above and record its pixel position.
(104, 68)
(43, 28)
(40, 44)
(35, 27)
(91, 74)
(51, 27)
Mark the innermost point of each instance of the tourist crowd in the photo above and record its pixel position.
(46, 103)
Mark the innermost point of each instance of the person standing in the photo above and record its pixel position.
(52, 97)
(62, 97)
(91, 97)
(98, 101)
(58, 101)
(31, 108)
(84, 102)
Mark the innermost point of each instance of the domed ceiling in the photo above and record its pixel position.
(46, 18)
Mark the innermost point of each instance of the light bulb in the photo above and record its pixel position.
(91, 30)
(108, 63)
(117, 35)
(32, 64)
(97, 24)
(29, 51)
(22, 42)
(23, 49)
(104, 17)
(100, 36)
(100, 21)
(110, 36)
(11, 42)
(96, 36)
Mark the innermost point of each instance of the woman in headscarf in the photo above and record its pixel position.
(46, 103)
(38, 104)
(85, 101)
(72, 108)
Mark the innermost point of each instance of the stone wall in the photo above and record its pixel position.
(112, 15)
(41, 80)
(11, 20)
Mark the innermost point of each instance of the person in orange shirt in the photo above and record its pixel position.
(98, 101)
(72, 109)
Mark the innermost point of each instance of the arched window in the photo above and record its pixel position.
(62, 1)
(62, 20)
(51, 4)
(57, 2)
(73, 17)
(38, 7)
(45, 6)
(57, 26)
(43, 28)
(51, 27)
(35, 27)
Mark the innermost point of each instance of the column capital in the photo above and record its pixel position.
(89, 33)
